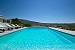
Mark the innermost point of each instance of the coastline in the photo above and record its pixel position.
(65, 31)
(10, 31)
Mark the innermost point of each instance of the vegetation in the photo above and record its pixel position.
(27, 23)
(69, 26)
(17, 21)
(62, 26)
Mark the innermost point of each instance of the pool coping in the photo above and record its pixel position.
(10, 31)
(65, 31)
(62, 30)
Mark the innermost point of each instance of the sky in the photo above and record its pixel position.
(46, 11)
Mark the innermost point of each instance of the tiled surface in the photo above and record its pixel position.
(7, 32)
(62, 30)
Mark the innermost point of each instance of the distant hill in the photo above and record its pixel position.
(67, 26)
(29, 22)
(37, 23)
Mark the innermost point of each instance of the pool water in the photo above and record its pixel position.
(37, 38)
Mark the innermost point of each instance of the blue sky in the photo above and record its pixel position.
(50, 11)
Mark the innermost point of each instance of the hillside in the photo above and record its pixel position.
(67, 26)
(31, 22)
(22, 22)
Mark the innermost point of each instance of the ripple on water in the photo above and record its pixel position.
(38, 47)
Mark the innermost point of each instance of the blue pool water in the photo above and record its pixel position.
(37, 38)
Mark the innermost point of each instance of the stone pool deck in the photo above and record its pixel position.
(10, 31)
(63, 30)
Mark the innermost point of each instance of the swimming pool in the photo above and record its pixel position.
(37, 38)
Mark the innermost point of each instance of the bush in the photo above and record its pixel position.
(27, 25)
